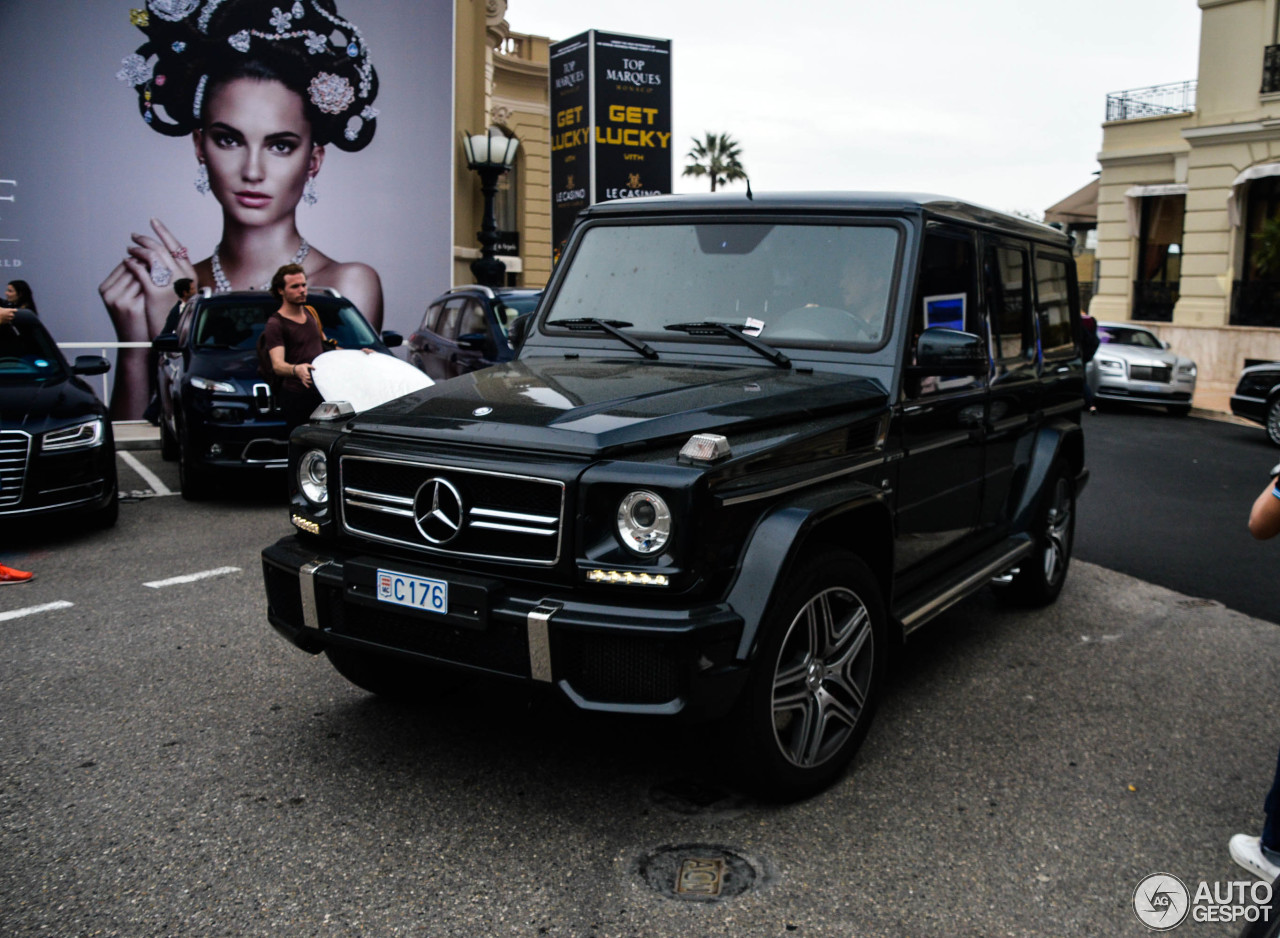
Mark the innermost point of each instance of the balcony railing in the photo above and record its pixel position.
(1158, 100)
(1271, 70)
(1255, 303)
(1154, 300)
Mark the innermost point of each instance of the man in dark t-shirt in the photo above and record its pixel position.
(293, 339)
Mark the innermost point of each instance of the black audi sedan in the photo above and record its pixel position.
(217, 414)
(57, 454)
(468, 328)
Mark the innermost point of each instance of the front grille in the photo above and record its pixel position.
(502, 647)
(1161, 373)
(618, 669)
(15, 454)
(505, 517)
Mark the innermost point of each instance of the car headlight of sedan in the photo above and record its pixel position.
(644, 522)
(1188, 370)
(313, 476)
(209, 384)
(78, 436)
(1110, 364)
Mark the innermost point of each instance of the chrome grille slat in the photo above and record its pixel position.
(509, 517)
(15, 457)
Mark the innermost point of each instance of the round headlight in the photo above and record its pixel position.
(313, 476)
(644, 522)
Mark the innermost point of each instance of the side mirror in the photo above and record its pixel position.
(950, 353)
(90, 365)
(166, 342)
(391, 338)
(472, 341)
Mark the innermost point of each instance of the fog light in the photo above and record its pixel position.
(628, 578)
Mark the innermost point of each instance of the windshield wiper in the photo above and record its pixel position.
(612, 326)
(710, 327)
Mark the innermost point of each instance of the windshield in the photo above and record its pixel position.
(1121, 335)
(237, 326)
(791, 284)
(27, 352)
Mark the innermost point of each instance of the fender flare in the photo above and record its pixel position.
(1055, 439)
(777, 540)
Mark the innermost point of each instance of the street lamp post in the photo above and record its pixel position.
(489, 154)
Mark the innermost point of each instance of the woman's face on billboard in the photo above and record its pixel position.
(256, 144)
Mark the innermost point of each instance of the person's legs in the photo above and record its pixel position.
(1261, 855)
(296, 406)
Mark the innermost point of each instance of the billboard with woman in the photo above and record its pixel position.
(216, 140)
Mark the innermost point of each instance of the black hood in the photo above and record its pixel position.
(591, 406)
(36, 406)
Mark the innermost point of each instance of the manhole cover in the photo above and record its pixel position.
(697, 872)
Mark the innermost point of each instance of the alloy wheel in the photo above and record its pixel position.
(822, 677)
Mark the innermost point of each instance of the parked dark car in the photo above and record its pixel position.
(747, 447)
(468, 328)
(57, 455)
(217, 414)
(1257, 397)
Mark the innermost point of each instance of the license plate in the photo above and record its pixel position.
(418, 592)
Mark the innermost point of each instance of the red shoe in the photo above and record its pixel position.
(9, 575)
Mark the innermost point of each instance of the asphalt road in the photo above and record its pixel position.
(1169, 502)
(169, 766)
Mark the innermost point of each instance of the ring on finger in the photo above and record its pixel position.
(161, 275)
(181, 253)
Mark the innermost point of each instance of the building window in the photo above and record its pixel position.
(1255, 297)
(1155, 290)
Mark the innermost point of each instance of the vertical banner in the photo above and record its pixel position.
(570, 136)
(611, 123)
(154, 140)
(632, 84)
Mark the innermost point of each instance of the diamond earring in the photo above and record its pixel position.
(202, 179)
(309, 191)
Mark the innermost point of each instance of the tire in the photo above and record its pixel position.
(1040, 578)
(192, 479)
(817, 677)
(168, 443)
(1273, 421)
(106, 516)
(391, 678)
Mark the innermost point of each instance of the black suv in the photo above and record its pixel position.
(747, 446)
(217, 413)
(467, 329)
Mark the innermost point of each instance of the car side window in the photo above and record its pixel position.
(946, 296)
(447, 326)
(472, 319)
(430, 321)
(1053, 305)
(1008, 288)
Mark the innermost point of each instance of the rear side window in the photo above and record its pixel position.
(1053, 303)
(1008, 284)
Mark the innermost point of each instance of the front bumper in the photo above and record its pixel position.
(1250, 408)
(618, 658)
(1146, 392)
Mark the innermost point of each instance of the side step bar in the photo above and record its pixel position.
(924, 604)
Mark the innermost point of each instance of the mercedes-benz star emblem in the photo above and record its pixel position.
(438, 511)
(482, 412)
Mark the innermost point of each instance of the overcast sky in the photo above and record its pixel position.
(998, 102)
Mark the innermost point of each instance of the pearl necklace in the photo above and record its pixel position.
(222, 285)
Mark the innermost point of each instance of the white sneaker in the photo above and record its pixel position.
(1247, 851)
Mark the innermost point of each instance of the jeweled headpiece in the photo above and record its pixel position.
(192, 46)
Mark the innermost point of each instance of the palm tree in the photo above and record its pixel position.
(718, 157)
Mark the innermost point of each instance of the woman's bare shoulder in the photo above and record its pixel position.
(345, 276)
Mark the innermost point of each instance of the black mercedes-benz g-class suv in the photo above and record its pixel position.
(747, 446)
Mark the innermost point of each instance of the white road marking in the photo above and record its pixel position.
(148, 476)
(32, 610)
(191, 577)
